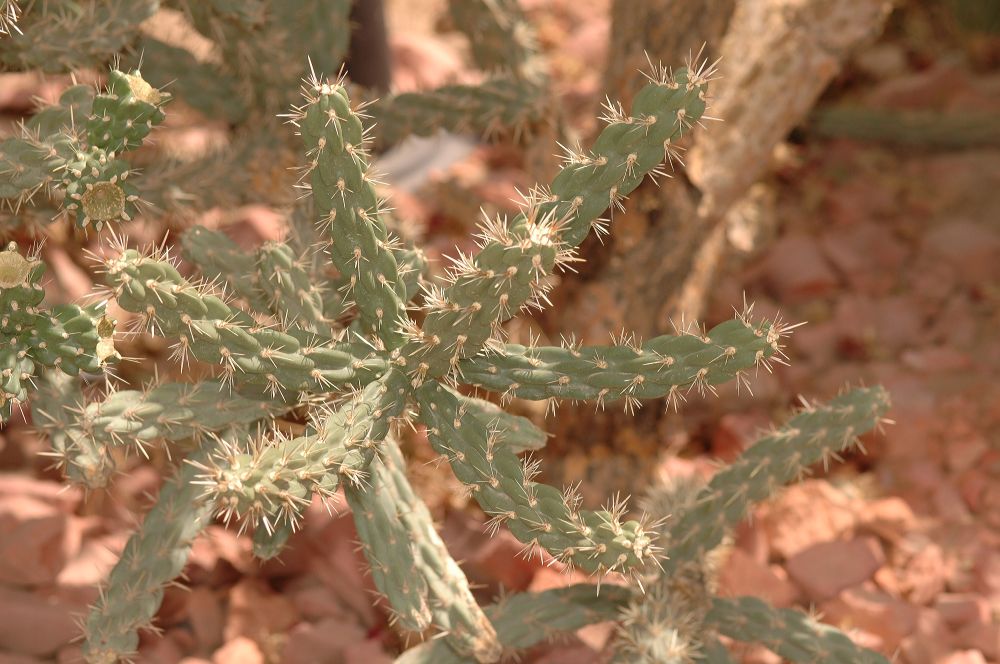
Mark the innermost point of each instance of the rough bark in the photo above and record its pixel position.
(777, 57)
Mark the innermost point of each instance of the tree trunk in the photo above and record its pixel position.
(777, 57)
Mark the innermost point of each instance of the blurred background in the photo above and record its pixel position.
(851, 181)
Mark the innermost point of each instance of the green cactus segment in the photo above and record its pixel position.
(713, 651)
(595, 541)
(410, 564)
(498, 33)
(345, 201)
(60, 37)
(528, 619)
(153, 557)
(789, 633)
(171, 411)
(269, 281)
(210, 331)
(33, 161)
(59, 398)
(125, 114)
(269, 483)
(817, 433)
(667, 366)
(203, 86)
(516, 433)
(496, 104)
(510, 270)
(96, 188)
(269, 543)
(659, 627)
(292, 295)
(266, 44)
(223, 262)
(66, 337)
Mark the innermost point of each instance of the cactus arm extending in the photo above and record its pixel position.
(62, 36)
(524, 620)
(410, 564)
(499, 34)
(537, 514)
(516, 433)
(713, 651)
(153, 556)
(515, 259)
(168, 412)
(202, 85)
(816, 433)
(665, 366)
(66, 337)
(271, 482)
(496, 104)
(125, 113)
(209, 330)
(345, 200)
(789, 633)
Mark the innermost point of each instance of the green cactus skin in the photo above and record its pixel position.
(509, 270)
(66, 336)
(666, 366)
(713, 652)
(817, 433)
(500, 37)
(789, 633)
(211, 331)
(514, 432)
(499, 103)
(537, 514)
(59, 37)
(269, 483)
(153, 557)
(53, 151)
(670, 621)
(345, 200)
(139, 418)
(523, 620)
(410, 564)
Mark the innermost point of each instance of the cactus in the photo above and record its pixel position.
(65, 337)
(53, 153)
(337, 327)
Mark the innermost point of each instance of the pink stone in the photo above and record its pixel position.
(742, 575)
(31, 624)
(805, 514)
(240, 650)
(824, 569)
(958, 609)
(796, 269)
(35, 540)
(875, 612)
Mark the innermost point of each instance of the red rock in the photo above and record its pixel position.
(239, 650)
(160, 650)
(10, 658)
(930, 642)
(890, 518)
(499, 561)
(321, 642)
(256, 612)
(826, 568)
(872, 611)
(93, 562)
(61, 496)
(736, 432)
(572, 654)
(963, 657)
(206, 617)
(949, 505)
(554, 577)
(971, 485)
(923, 576)
(970, 247)
(936, 359)
(366, 652)
(34, 625)
(958, 609)
(984, 637)
(313, 600)
(796, 269)
(867, 255)
(35, 540)
(742, 575)
(805, 514)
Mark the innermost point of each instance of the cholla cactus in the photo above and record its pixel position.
(354, 338)
(65, 337)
